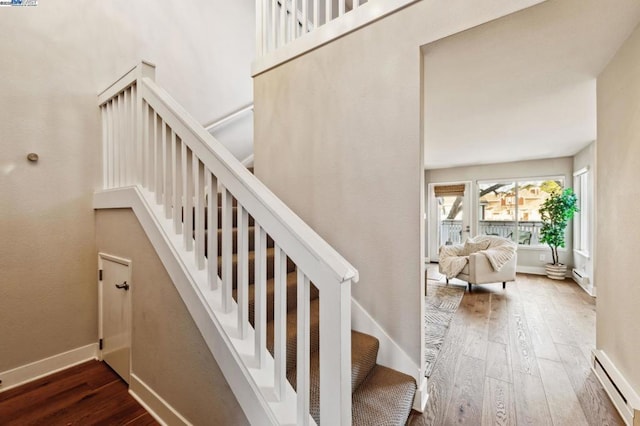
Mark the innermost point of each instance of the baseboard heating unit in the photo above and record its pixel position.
(624, 398)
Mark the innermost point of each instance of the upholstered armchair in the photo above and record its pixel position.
(482, 260)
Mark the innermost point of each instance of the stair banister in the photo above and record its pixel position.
(152, 143)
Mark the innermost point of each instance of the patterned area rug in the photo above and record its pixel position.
(441, 302)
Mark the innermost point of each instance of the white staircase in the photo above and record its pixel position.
(159, 161)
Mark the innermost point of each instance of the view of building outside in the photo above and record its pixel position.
(510, 209)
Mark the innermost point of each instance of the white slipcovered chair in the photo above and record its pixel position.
(480, 260)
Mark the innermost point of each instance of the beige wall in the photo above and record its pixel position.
(338, 138)
(618, 203)
(168, 352)
(55, 58)
(528, 258)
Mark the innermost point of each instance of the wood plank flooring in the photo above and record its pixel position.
(519, 356)
(87, 394)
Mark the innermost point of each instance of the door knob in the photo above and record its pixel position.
(124, 286)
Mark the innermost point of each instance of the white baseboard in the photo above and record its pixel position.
(390, 354)
(588, 289)
(159, 409)
(536, 270)
(44, 367)
(621, 393)
(422, 396)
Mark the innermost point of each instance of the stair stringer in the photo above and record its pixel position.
(390, 354)
(251, 387)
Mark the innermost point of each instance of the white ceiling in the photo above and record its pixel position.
(521, 87)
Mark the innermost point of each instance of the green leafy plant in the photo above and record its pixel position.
(556, 212)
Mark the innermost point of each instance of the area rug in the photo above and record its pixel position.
(441, 303)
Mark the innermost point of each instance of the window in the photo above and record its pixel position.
(581, 235)
(509, 209)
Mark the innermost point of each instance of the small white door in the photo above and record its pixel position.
(449, 215)
(115, 313)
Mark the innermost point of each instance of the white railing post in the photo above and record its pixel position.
(148, 70)
(335, 354)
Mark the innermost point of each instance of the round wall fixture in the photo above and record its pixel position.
(32, 156)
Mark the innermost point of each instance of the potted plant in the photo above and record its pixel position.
(556, 212)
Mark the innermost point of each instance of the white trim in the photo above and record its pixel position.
(349, 22)
(611, 378)
(537, 270)
(155, 405)
(44, 367)
(248, 162)
(229, 117)
(390, 354)
(582, 171)
(582, 253)
(422, 395)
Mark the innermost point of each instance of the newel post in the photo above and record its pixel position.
(335, 354)
(145, 70)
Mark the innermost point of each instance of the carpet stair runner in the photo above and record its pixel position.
(380, 395)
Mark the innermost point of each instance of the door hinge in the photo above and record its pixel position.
(100, 274)
(100, 343)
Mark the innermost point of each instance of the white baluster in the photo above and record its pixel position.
(106, 143)
(187, 195)
(157, 138)
(135, 143)
(280, 322)
(198, 180)
(260, 28)
(303, 348)
(305, 16)
(115, 123)
(283, 23)
(212, 230)
(177, 184)
(167, 170)
(260, 288)
(328, 14)
(274, 20)
(316, 14)
(121, 141)
(335, 354)
(356, 4)
(126, 143)
(293, 19)
(136, 116)
(243, 272)
(147, 145)
(227, 249)
(341, 7)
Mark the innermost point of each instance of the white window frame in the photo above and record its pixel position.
(581, 228)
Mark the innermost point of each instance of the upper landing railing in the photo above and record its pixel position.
(286, 29)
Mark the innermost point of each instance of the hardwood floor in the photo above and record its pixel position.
(519, 356)
(87, 394)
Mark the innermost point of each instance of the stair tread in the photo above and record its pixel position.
(364, 351)
(384, 398)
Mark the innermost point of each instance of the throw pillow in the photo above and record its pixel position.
(473, 247)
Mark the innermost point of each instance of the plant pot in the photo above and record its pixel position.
(556, 272)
